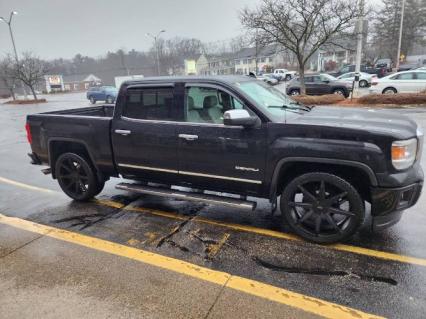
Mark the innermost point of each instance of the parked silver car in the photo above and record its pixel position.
(364, 80)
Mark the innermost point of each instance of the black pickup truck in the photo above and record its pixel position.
(227, 138)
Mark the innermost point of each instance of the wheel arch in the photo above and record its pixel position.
(358, 174)
(389, 87)
(58, 146)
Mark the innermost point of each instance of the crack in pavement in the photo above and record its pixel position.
(322, 272)
(174, 231)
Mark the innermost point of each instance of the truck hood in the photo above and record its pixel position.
(369, 120)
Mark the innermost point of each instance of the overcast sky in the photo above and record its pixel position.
(59, 28)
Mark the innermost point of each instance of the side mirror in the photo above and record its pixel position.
(239, 118)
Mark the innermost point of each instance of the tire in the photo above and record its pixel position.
(92, 100)
(363, 84)
(76, 177)
(288, 77)
(322, 208)
(339, 92)
(109, 100)
(294, 92)
(389, 91)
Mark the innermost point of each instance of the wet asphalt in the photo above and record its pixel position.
(179, 229)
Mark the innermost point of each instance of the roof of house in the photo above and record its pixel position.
(251, 52)
(80, 78)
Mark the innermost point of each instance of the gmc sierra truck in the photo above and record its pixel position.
(232, 137)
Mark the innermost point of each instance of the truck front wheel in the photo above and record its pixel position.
(322, 207)
(76, 177)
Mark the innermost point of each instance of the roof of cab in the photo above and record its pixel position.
(228, 79)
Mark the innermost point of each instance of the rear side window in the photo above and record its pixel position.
(404, 76)
(150, 104)
(421, 75)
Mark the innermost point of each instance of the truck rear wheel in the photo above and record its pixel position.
(322, 208)
(76, 177)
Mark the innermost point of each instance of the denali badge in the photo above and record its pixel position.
(249, 169)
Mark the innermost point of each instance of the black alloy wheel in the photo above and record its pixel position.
(92, 100)
(294, 92)
(322, 207)
(76, 177)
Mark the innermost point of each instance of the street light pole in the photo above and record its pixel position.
(9, 23)
(156, 48)
(400, 35)
(360, 24)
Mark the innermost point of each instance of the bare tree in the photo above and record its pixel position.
(30, 70)
(7, 76)
(301, 26)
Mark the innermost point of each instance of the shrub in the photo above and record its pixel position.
(26, 101)
(319, 99)
(398, 99)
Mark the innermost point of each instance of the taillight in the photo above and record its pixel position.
(29, 136)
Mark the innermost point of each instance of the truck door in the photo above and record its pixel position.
(144, 135)
(213, 155)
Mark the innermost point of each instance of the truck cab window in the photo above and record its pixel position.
(150, 104)
(207, 105)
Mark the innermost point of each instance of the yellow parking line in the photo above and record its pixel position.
(272, 233)
(34, 188)
(250, 229)
(251, 287)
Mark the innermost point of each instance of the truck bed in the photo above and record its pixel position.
(89, 127)
(97, 111)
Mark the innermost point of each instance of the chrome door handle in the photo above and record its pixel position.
(123, 132)
(188, 137)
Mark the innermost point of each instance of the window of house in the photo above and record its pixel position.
(151, 104)
(263, 60)
(207, 105)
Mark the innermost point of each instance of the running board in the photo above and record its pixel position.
(190, 196)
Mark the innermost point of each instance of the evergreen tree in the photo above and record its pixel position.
(387, 23)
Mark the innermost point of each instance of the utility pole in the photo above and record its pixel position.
(156, 48)
(9, 23)
(400, 35)
(360, 24)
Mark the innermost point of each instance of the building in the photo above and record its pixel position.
(80, 82)
(195, 65)
(333, 57)
(267, 59)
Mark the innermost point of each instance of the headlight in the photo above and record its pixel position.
(404, 153)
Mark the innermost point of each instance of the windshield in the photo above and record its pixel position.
(327, 77)
(272, 101)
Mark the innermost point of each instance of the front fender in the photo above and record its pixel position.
(365, 156)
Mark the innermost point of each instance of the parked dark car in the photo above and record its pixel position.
(319, 84)
(107, 94)
(237, 135)
(379, 71)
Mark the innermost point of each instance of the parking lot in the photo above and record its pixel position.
(125, 255)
